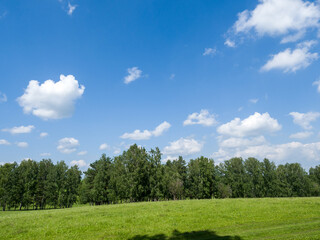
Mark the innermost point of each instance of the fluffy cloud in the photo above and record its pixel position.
(103, 146)
(291, 60)
(22, 144)
(304, 119)
(203, 118)
(134, 74)
(18, 130)
(51, 100)
(301, 135)
(146, 134)
(80, 163)
(43, 134)
(3, 97)
(68, 145)
(209, 52)
(183, 146)
(4, 142)
(279, 17)
(159, 130)
(287, 152)
(254, 125)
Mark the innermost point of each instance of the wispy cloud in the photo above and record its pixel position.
(134, 74)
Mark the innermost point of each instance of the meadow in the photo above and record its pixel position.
(222, 219)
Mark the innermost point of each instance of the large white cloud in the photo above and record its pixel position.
(287, 152)
(19, 130)
(147, 134)
(133, 74)
(183, 146)
(203, 118)
(292, 60)
(254, 125)
(51, 100)
(279, 17)
(68, 145)
(304, 119)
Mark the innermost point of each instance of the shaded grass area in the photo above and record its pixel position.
(224, 219)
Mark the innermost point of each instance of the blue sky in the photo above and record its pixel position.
(213, 78)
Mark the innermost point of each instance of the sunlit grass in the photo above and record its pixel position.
(286, 218)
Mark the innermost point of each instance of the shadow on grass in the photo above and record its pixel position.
(176, 235)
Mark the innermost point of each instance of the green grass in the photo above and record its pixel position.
(286, 218)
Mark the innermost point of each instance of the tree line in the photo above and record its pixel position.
(139, 175)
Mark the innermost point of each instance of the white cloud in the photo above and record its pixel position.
(254, 101)
(203, 118)
(3, 97)
(304, 119)
(71, 8)
(293, 38)
(317, 83)
(103, 146)
(22, 144)
(287, 152)
(51, 100)
(146, 134)
(79, 163)
(43, 134)
(279, 17)
(254, 125)
(241, 142)
(183, 146)
(159, 130)
(209, 52)
(4, 142)
(230, 43)
(82, 153)
(45, 154)
(134, 74)
(301, 135)
(68, 145)
(19, 130)
(291, 60)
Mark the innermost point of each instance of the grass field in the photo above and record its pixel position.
(227, 219)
